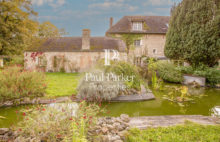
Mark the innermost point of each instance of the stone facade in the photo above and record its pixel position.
(66, 61)
(152, 29)
(152, 45)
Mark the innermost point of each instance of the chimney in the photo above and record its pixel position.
(85, 39)
(111, 22)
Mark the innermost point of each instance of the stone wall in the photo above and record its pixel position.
(67, 61)
(150, 42)
(157, 42)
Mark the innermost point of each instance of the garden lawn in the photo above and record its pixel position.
(183, 133)
(61, 84)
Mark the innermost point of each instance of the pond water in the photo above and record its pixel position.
(204, 100)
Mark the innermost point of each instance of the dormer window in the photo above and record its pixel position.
(137, 26)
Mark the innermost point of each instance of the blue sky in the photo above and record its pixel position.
(75, 15)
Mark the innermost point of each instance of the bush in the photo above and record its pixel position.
(98, 90)
(16, 84)
(15, 60)
(120, 67)
(212, 75)
(62, 122)
(168, 72)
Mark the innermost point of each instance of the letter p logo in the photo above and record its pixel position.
(108, 54)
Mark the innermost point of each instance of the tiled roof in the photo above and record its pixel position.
(154, 24)
(74, 44)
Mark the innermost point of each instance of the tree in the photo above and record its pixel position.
(48, 30)
(16, 26)
(194, 32)
(45, 30)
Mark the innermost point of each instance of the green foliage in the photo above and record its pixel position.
(212, 75)
(15, 60)
(48, 30)
(62, 122)
(16, 26)
(157, 83)
(168, 72)
(16, 83)
(146, 27)
(183, 133)
(129, 40)
(178, 95)
(127, 69)
(194, 31)
(98, 90)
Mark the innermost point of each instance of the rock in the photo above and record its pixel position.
(104, 130)
(110, 127)
(118, 141)
(122, 134)
(8, 103)
(3, 131)
(105, 138)
(27, 100)
(115, 137)
(116, 125)
(125, 117)
(114, 131)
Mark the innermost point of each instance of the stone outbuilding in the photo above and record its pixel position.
(72, 54)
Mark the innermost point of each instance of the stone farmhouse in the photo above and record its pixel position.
(78, 54)
(151, 28)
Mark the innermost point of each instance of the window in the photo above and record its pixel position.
(137, 26)
(42, 61)
(154, 51)
(137, 43)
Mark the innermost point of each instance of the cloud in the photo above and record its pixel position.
(52, 3)
(159, 2)
(113, 4)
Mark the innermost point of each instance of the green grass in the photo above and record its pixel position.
(62, 84)
(182, 133)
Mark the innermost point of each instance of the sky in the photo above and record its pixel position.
(75, 15)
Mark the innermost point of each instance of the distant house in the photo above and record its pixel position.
(152, 28)
(71, 54)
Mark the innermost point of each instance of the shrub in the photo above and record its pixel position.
(127, 69)
(17, 83)
(212, 75)
(62, 122)
(168, 72)
(98, 90)
(16, 60)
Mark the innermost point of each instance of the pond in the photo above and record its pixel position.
(204, 100)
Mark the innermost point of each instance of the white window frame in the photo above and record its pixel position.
(137, 26)
(136, 41)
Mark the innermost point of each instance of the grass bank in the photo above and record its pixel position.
(189, 132)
